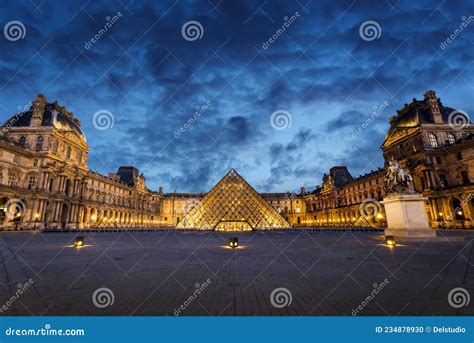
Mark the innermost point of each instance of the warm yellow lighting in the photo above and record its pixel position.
(379, 215)
(233, 242)
(390, 241)
(440, 214)
(37, 215)
(353, 219)
(94, 217)
(79, 242)
(460, 213)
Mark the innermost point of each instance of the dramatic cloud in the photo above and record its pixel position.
(188, 108)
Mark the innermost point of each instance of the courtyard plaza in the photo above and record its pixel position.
(159, 273)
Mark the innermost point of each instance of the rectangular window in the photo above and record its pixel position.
(12, 179)
(16, 159)
(465, 177)
(35, 162)
(32, 182)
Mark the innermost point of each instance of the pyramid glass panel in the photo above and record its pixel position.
(232, 205)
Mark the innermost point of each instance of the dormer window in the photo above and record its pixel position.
(433, 140)
(22, 141)
(451, 138)
(39, 143)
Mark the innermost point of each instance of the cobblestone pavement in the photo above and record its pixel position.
(191, 273)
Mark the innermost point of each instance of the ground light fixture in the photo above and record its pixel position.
(233, 242)
(390, 241)
(79, 241)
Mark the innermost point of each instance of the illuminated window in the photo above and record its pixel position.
(232, 204)
(433, 140)
(451, 138)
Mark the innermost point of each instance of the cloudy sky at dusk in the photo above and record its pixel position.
(323, 75)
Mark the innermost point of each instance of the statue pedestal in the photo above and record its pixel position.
(406, 216)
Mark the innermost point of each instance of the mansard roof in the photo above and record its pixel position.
(54, 115)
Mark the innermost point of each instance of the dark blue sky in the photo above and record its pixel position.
(321, 70)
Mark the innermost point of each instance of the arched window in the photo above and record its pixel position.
(433, 140)
(22, 141)
(39, 143)
(451, 138)
(55, 146)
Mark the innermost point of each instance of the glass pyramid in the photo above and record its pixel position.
(232, 205)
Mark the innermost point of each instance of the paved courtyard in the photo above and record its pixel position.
(191, 273)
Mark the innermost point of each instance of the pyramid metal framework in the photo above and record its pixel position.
(232, 204)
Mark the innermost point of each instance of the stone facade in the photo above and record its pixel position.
(45, 181)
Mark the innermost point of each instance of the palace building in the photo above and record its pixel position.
(45, 182)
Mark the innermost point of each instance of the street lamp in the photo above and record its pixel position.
(233, 242)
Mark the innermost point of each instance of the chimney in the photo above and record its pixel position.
(38, 109)
(160, 190)
(302, 191)
(432, 101)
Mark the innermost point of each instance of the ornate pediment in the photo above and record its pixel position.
(398, 134)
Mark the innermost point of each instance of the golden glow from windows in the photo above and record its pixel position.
(232, 204)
